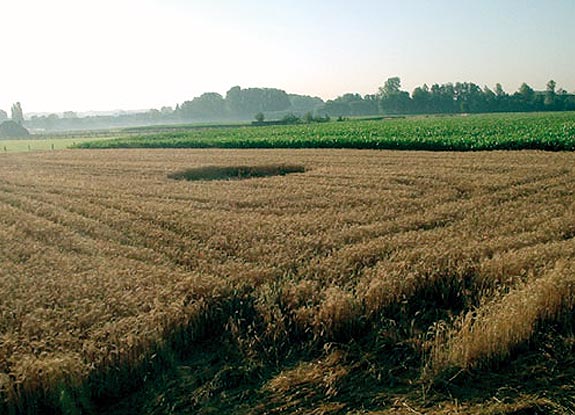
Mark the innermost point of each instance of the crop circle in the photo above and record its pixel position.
(207, 173)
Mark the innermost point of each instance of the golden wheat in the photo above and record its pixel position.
(105, 260)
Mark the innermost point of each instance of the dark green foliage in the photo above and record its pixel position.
(310, 118)
(207, 106)
(449, 98)
(240, 101)
(290, 119)
(304, 103)
(392, 99)
(352, 105)
(259, 117)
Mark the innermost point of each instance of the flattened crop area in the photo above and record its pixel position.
(106, 262)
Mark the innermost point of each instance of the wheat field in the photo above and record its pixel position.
(107, 263)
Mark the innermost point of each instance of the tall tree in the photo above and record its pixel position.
(489, 100)
(501, 101)
(209, 105)
(499, 91)
(550, 94)
(442, 99)
(253, 100)
(420, 98)
(351, 104)
(17, 114)
(393, 99)
(468, 97)
(303, 103)
(526, 92)
(391, 87)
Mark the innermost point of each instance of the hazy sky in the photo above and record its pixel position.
(81, 55)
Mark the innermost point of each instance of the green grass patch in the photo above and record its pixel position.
(543, 131)
(41, 144)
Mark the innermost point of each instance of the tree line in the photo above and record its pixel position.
(237, 105)
(390, 99)
(450, 98)
(243, 104)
